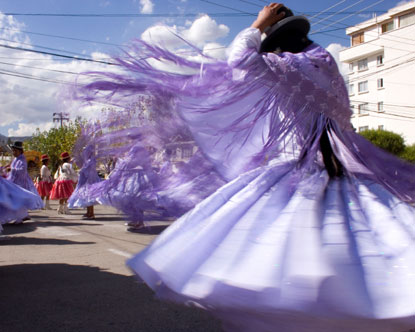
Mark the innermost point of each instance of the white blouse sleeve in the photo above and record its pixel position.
(246, 43)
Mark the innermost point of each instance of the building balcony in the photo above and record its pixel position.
(359, 51)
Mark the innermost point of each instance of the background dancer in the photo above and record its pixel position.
(88, 175)
(14, 202)
(18, 174)
(64, 185)
(45, 183)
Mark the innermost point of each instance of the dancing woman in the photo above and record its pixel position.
(45, 183)
(314, 231)
(64, 184)
(18, 174)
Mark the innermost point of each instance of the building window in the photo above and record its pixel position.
(388, 26)
(363, 87)
(406, 19)
(381, 127)
(358, 38)
(363, 109)
(363, 128)
(380, 106)
(186, 153)
(380, 83)
(379, 60)
(362, 64)
(351, 67)
(352, 108)
(351, 89)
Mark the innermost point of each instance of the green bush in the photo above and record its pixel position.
(387, 140)
(409, 153)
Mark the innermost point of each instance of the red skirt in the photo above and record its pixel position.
(43, 188)
(62, 189)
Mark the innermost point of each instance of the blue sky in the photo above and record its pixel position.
(28, 103)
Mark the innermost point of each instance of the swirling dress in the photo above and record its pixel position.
(283, 246)
(15, 201)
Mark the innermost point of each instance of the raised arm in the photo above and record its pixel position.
(268, 16)
(246, 45)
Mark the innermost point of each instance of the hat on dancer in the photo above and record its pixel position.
(44, 157)
(65, 155)
(17, 145)
(288, 34)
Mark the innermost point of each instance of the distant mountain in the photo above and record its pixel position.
(4, 140)
(19, 138)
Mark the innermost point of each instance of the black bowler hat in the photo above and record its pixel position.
(17, 145)
(290, 22)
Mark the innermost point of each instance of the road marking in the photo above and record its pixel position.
(57, 231)
(120, 253)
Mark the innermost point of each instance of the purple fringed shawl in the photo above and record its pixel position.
(253, 108)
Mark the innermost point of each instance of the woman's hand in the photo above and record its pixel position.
(268, 16)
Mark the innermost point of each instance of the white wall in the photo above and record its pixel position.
(398, 73)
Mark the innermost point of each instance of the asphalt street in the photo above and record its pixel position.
(62, 273)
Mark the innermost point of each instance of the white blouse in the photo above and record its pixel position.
(45, 174)
(66, 172)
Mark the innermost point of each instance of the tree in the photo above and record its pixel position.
(387, 140)
(55, 141)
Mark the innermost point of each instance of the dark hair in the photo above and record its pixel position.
(45, 161)
(66, 159)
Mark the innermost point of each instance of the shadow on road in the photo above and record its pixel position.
(16, 240)
(38, 223)
(61, 297)
(151, 230)
(32, 225)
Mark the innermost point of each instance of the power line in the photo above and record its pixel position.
(251, 3)
(325, 10)
(349, 15)
(56, 54)
(370, 34)
(31, 77)
(167, 15)
(61, 37)
(386, 104)
(384, 112)
(47, 69)
(360, 78)
(39, 46)
(352, 5)
(227, 7)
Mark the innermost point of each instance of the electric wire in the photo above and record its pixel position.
(374, 4)
(326, 10)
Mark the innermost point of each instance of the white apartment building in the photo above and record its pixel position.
(381, 76)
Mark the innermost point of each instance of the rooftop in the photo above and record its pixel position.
(406, 7)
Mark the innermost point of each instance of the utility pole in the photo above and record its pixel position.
(60, 117)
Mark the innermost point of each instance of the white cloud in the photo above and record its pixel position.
(199, 32)
(400, 3)
(162, 35)
(205, 29)
(27, 129)
(28, 103)
(146, 6)
(334, 50)
(215, 50)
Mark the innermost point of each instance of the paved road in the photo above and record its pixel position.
(61, 273)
